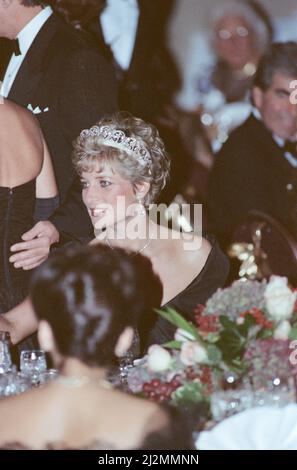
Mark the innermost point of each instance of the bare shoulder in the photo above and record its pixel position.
(13, 110)
(188, 247)
(13, 416)
(22, 121)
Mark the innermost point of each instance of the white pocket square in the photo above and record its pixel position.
(37, 110)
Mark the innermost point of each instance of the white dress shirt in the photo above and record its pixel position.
(119, 21)
(26, 37)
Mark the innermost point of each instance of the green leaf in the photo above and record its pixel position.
(179, 321)
(239, 366)
(214, 354)
(173, 345)
(231, 343)
(226, 322)
(191, 392)
(249, 321)
(293, 333)
(265, 334)
(212, 337)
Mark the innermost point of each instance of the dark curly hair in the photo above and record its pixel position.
(35, 3)
(89, 295)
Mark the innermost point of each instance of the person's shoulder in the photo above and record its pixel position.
(245, 135)
(192, 247)
(13, 116)
(74, 39)
(241, 147)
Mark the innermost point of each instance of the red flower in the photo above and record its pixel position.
(199, 309)
(208, 323)
(259, 316)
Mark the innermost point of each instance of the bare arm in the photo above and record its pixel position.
(20, 321)
(46, 183)
(37, 242)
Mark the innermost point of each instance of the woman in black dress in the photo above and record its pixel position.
(27, 190)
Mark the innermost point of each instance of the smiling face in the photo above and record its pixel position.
(278, 113)
(106, 195)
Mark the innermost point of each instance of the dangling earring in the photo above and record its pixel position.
(141, 210)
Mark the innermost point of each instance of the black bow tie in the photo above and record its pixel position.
(15, 46)
(291, 147)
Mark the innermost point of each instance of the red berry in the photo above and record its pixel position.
(163, 389)
(175, 383)
(146, 387)
(155, 383)
(191, 375)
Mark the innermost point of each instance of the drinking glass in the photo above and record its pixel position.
(13, 383)
(275, 390)
(32, 363)
(48, 375)
(230, 402)
(5, 357)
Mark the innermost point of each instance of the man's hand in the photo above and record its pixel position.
(36, 246)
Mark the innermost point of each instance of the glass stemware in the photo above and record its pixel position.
(32, 364)
(5, 357)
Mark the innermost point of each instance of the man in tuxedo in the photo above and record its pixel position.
(256, 169)
(131, 35)
(58, 74)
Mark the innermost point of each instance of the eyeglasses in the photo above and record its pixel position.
(240, 32)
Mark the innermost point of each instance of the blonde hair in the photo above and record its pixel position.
(91, 150)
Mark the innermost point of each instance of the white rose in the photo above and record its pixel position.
(282, 330)
(183, 335)
(192, 353)
(279, 298)
(158, 359)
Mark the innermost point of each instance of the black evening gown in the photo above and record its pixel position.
(212, 276)
(153, 329)
(16, 217)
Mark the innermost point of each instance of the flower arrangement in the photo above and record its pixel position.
(243, 329)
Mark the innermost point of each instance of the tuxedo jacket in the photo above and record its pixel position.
(71, 83)
(251, 172)
(152, 76)
(64, 75)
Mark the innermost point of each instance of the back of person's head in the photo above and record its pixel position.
(89, 295)
(281, 58)
(35, 3)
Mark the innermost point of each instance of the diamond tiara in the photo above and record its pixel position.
(118, 139)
